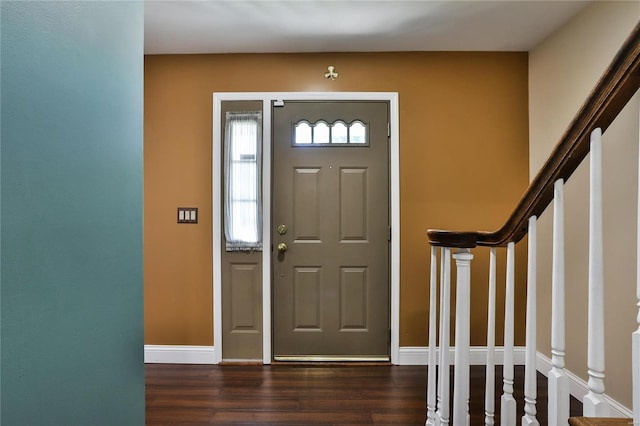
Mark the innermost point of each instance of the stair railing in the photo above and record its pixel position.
(584, 135)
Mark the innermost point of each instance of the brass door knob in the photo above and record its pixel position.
(282, 247)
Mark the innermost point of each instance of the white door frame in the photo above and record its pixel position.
(267, 98)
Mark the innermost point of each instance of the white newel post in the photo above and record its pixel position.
(431, 384)
(594, 404)
(508, 403)
(463, 311)
(530, 394)
(558, 383)
(489, 393)
(442, 416)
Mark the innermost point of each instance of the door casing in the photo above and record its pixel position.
(394, 170)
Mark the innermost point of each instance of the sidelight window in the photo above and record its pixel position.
(242, 159)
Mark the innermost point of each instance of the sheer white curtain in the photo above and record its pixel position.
(242, 175)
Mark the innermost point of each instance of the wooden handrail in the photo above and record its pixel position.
(614, 89)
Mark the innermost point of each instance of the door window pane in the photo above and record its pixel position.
(321, 132)
(357, 133)
(339, 133)
(303, 133)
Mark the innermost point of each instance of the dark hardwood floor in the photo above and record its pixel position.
(308, 394)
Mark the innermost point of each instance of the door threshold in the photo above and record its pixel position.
(331, 358)
(332, 364)
(240, 362)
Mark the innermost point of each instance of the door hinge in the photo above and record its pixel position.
(389, 234)
(388, 130)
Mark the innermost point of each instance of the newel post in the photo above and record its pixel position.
(463, 259)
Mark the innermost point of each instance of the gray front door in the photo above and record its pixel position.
(331, 231)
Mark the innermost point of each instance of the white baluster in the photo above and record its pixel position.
(530, 371)
(636, 368)
(463, 307)
(442, 416)
(558, 383)
(594, 404)
(508, 403)
(431, 384)
(635, 339)
(489, 393)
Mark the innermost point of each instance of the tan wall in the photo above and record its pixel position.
(562, 72)
(463, 161)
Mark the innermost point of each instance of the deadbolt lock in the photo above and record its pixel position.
(282, 247)
(282, 229)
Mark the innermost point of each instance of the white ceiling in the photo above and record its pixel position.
(243, 26)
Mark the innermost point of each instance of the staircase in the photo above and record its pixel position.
(583, 136)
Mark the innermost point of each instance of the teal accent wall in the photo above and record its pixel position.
(71, 213)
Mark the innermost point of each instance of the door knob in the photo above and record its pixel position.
(282, 247)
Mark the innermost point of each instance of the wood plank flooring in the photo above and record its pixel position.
(307, 395)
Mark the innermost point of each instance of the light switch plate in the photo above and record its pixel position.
(187, 215)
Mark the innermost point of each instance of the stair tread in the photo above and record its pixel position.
(599, 421)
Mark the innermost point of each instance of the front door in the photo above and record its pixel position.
(331, 231)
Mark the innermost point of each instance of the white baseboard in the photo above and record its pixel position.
(419, 355)
(179, 354)
(409, 355)
(578, 388)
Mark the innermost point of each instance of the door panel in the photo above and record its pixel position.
(331, 282)
(354, 286)
(306, 203)
(244, 280)
(353, 204)
(241, 281)
(307, 287)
